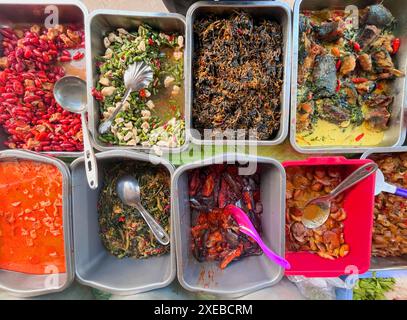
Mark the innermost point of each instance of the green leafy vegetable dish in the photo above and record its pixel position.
(372, 288)
(151, 117)
(123, 231)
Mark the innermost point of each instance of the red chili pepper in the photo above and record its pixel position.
(359, 80)
(142, 93)
(247, 198)
(193, 183)
(157, 63)
(395, 44)
(78, 56)
(209, 185)
(150, 41)
(64, 59)
(122, 219)
(356, 46)
(338, 85)
(338, 64)
(97, 94)
(222, 197)
(359, 137)
(239, 31)
(32, 103)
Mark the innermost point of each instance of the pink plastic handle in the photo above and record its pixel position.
(267, 251)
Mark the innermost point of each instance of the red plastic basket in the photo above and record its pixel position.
(359, 204)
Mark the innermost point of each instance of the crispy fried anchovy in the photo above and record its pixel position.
(238, 75)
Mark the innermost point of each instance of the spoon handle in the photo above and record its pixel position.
(90, 159)
(157, 230)
(267, 251)
(356, 176)
(105, 125)
(401, 192)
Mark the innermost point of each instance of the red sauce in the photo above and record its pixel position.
(31, 223)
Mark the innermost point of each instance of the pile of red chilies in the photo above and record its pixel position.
(30, 66)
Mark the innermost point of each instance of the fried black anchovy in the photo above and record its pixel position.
(238, 75)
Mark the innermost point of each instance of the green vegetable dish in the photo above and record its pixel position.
(372, 288)
(151, 117)
(123, 231)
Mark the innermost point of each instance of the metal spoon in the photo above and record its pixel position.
(128, 191)
(382, 185)
(317, 211)
(70, 93)
(137, 76)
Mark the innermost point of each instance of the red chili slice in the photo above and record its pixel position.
(395, 45)
(359, 137)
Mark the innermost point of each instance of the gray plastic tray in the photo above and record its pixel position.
(95, 266)
(251, 273)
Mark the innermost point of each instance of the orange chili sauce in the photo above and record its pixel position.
(31, 223)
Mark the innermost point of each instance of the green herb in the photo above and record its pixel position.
(372, 288)
(123, 231)
(163, 53)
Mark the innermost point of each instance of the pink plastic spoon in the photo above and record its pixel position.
(246, 227)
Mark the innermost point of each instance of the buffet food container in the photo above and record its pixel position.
(387, 263)
(250, 273)
(102, 21)
(29, 285)
(396, 133)
(357, 225)
(33, 11)
(94, 265)
(276, 10)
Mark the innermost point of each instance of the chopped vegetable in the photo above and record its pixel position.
(372, 288)
(123, 231)
(164, 125)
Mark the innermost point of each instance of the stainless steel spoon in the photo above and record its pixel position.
(70, 93)
(128, 191)
(317, 211)
(137, 76)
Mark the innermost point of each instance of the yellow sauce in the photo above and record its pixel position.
(325, 133)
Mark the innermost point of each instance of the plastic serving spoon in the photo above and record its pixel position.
(317, 210)
(70, 93)
(246, 227)
(383, 186)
